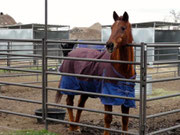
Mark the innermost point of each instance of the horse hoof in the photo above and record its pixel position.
(75, 132)
(74, 129)
(78, 130)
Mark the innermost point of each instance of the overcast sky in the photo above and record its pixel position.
(87, 12)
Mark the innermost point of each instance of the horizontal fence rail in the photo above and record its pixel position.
(21, 40)
(92, 93)
(20, 114)
(94, 60)
(165, 130)
(21, 99)
(91, 126)
(93, 110)
(163, 97)
(163, 113)
(93, 76)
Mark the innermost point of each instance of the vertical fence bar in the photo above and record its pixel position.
(8, 56)
(141, 84)
(143, 74)
(44, 83)
(145, 87)
(44, 68)
(46, 19)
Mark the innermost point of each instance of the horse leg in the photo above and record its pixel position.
(81, 103)
(59, 95)
(70, 102)
(107, 118)
(125, 119)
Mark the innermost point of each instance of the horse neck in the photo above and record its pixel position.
(124, 54)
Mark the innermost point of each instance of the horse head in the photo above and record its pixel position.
(120, 32)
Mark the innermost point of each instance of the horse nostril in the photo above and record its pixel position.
(110, 45)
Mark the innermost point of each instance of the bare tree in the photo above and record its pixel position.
(175, 15)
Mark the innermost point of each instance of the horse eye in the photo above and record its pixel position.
(123, 28)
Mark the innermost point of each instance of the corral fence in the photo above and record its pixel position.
(44, 86)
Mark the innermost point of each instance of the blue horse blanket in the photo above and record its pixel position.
(120, 88)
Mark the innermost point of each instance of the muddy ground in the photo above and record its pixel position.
(10, 122)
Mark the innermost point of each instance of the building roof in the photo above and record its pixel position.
(35, 26)
(6, 20)
(154, 24)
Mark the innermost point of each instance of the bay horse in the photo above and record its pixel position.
(121, 35)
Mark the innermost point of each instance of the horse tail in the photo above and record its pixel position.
(58, 97)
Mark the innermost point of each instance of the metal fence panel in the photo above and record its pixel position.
(145, 35)
(167, 36)
(17, 34)
(52, 34)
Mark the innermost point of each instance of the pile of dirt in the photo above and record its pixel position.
(86, 33)
(6, 19)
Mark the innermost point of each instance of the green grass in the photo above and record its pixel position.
(161, 92)
(29, 132)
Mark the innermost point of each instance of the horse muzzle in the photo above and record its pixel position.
(110, 47)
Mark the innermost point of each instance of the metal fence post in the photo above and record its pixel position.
(143, 76)
(44, 68)
(44, 82)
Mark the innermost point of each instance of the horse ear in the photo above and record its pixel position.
(125, 17)
(115, 16)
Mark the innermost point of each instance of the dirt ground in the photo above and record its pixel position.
(10, 122)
